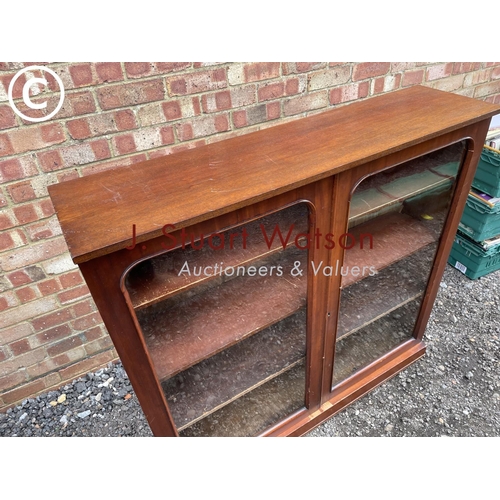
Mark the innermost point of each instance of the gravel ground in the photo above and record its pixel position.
(454, 390)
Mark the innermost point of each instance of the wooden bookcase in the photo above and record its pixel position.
(258, 285)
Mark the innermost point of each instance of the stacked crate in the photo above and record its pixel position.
(476, 249)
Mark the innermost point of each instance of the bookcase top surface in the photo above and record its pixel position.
(97, 212)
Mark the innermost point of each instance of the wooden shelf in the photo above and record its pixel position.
(208, 386)
(368, 300)
(390, 243)
(356, 351)
(184, 330)
(432, 173)
(158, 278)
(257, 410)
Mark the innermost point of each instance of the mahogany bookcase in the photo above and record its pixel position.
(258, 285)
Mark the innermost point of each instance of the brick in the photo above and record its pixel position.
(193, 83)
(11, 380)
(449, 84)
(43, 230)
(150, 114)
(25, 214)
(6, 220)
(81, 74)
(328, 78)
(465, 67)
(98, 345)
(125, 120)
(142, 69)
(252, 72)
(413, 78)
(77, 103)
(16, 332)
(36, 137)
(19, 278)
(270, 91)
(56, 333)
(71, 279)
(124, 144)
(116, 96)
(26, 359)
(292, 86)
(487, 89)
(138, 69)
(495, 73)
(35, 273)
(83, 308)
(202, 127)
(49, 287)
(21, 191)
(404, 66)
(6, 147)
(47, 208)
(95, 333)
(23, 392)
(87, 322)
(50, 160)
(79, 129)
(88, 364)
(242, 96)
(73, 294)
(27, 311)
(7, 117)
(6, 242)
(172, 110)
(26, 294)
(349, 92)
(439, 71)
(20, 347)
(3, 304)
(477, 77)
(48, 364)
(301, 67)
(109, 72)
(79, 154)
(369, 70)
(74, 104)
(2, 355)
(386, 83)
(305, 103)
(51, 320)
(64, 346)
(273, 110)
(34, 254)
(218, 101)
(171, 67)
(17, 168)
(18, 87)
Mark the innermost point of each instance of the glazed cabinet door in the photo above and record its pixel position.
(225, 310)
(395, 221)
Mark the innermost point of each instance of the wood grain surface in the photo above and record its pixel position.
(97, 212)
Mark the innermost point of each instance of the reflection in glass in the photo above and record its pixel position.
(225, 324)
(403, 209)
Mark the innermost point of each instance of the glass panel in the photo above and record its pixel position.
(395, 221)
(224, 319)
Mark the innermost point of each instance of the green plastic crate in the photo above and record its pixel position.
(472, 259)
(481, 218)
(487, 178)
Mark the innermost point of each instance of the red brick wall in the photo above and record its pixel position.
(116, 114)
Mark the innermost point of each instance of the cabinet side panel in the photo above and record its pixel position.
(103, 279)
